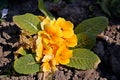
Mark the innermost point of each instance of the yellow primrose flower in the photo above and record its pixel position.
(54, 48)
(45, 22)
(46, 67)
(39, 48)
(57, 40)
(52, 30)
(49, 27)
(72, 41)
(47, 49)
(47, 57)
(53, 42)
(53, 64)
(45, 37)
(66, 27)
(49, 66)
(63, 55)
(53, 39)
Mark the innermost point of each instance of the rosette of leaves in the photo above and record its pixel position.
(83, 58)
(110, 7)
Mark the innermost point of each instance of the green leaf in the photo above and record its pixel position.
(28, 22)
(92, 26)
(86, 41)
(21, 51)
(26, 65)
(83, 59)
(43, 9)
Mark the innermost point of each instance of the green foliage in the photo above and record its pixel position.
(110, 7)
(26, 65)
(85, 41)
(43, 9)
(92, 26)
(21, 51)
(28, 22)
(83, 59)
(88, 30)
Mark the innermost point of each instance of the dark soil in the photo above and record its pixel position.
(107, 47)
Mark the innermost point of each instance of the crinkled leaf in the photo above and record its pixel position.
(28, 22)
(26, 65)
(43, 9)
(83, 59)
(92, 26)
(86, 41)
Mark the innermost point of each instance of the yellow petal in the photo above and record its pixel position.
(63, 55)
(53, 64)
(53, 30)
(56, 40)
(59, 21)
(45, 22)
(68, 33)
(54, 48)
(71, 42)
(39, 49)
(47, 57)
(47, 49)
(64, 61)
(46, 67)
(66, 27)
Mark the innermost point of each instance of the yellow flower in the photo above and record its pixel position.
(52, 30)
(53, 64)
(39, 48)
(72, 41)
(47, 57)
(57, 40)
(46, 67)
(50, 37)
(65, 26)
(45, 22)
(52, 45)
(49, 66)
(47, 49)
(49, 26)
(54, 48)
(63, 55)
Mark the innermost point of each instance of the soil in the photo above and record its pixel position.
(107, 47)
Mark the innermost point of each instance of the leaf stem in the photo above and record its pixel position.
(43, 9)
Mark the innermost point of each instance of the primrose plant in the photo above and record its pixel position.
(47, 42)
